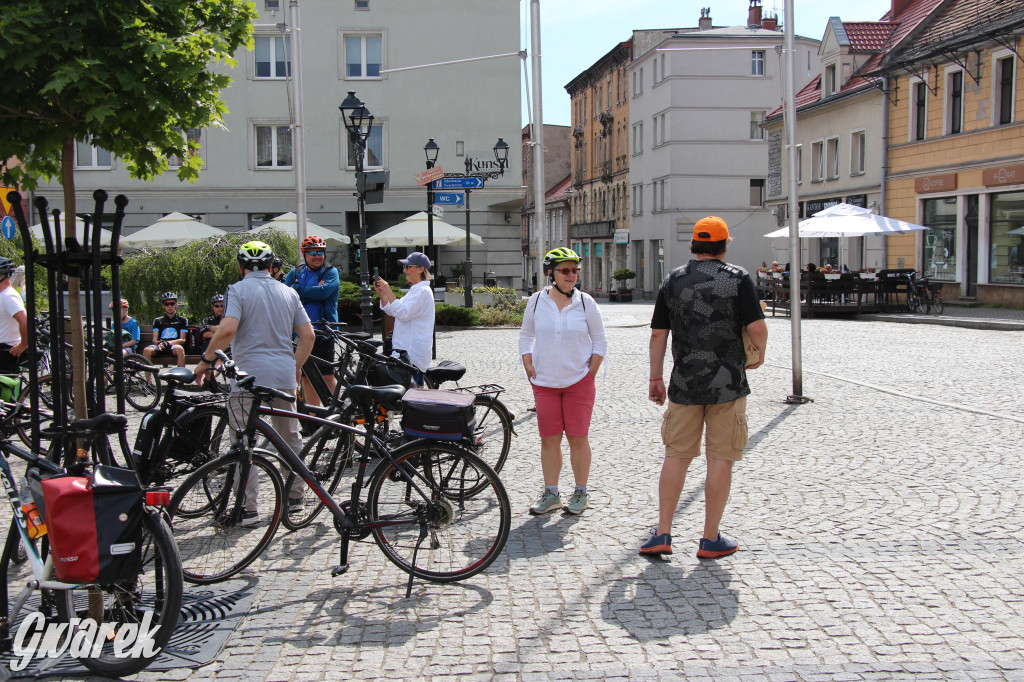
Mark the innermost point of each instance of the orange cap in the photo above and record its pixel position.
(710, 229)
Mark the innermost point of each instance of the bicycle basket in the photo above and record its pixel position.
(239, 406)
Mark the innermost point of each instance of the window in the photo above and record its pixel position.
(273, 146)
(660, 134)
(272, 4)
(817, 161)
(638, 138)
(88, 156)
(940, 239)
(858, 150)
(1007, 260)
(362, 4)
(660, 188)
(271, 57)
(829, 86)
(954, 102)
(638, 200)
(363, 56)
(192, 135)
(374, 157)
(919, 111)
(756, 121)
(757, 62)
(757, 192)
(654, 81)
(1003, 85)
(799, 164)
(664, 73)
(833, 157)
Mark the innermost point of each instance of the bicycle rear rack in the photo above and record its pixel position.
(481, 389)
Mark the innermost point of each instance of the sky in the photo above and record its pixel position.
(576, 33)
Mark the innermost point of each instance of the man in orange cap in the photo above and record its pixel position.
(706, 304)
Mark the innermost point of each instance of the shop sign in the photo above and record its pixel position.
(1004, 175)
(858, 200)
(621, 236)
(603, 229)
(935, 183)
(821, 204)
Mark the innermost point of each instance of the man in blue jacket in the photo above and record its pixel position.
(317, 285)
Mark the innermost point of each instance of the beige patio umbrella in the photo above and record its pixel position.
(413, 232)
(171, 231)
(288, 223)
(37, 230)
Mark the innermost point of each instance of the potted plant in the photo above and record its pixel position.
(623, 293)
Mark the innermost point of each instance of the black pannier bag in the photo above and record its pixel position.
(440, 415)
(95, 525)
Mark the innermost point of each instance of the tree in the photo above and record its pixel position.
(130, 77)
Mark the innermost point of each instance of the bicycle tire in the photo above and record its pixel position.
(139, 393)
(492, 438)
(937, 305)
(467, 533)
(201, 436)
(17, 575)
(923, 303)
(23, 423)
(157, 589)
(214, 545)
(330, 455)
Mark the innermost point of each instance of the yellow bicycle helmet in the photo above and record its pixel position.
(560, 255)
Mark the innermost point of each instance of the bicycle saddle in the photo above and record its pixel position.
(101, 423)
(178, 375)
(446, 370)
(361, 395)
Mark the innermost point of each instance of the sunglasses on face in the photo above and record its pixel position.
(568, 271)
(170, 303)
(218, 305)
(314, 253)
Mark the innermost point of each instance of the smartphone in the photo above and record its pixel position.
(376, 274)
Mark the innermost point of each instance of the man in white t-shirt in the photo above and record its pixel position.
(13, 321)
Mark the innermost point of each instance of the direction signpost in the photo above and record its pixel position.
(429, 175)
(7, 227)
(449, 198)
(466, 182)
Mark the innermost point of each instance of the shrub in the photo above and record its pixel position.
(493, 316)
(454, 316)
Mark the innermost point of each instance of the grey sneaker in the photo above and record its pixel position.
(548, 501)
(296, 505)
(249, 519)
(578, 502)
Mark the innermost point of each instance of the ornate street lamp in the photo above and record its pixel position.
(358, 122)
(430, 150)
(501, 156)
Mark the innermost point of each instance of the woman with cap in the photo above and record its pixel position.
(562, 344)
(413, 313)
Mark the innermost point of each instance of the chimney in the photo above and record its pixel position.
(770, 23)
(705, 19)
(754, 15)
(898, 6)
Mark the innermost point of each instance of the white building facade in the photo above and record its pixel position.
(697, 143)
(352, 45)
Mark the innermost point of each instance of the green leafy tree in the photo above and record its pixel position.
(195, 272)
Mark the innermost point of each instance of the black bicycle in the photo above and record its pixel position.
(437, 511)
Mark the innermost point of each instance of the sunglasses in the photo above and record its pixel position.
(218, 305)
(568, 271)
(169, 303)
(314, 253)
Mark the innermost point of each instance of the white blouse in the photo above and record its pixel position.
(561, 341)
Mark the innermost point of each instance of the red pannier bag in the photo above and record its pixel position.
(95, 525)
(439, 415)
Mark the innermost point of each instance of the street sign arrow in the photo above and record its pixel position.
(449, 198)
(7, 227)
(472, 182)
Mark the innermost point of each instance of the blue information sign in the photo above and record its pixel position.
(459, 183)
(7, 227)
(449, 198)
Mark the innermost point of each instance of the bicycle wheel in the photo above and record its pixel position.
(464, 534)
(923, 302)
(937, 304)
(151, 603)
(16, 576)
(330, 455)
(216, 541)
(23, 423)
(492, 438)
(201, 435)
(911, 300)
(139, 392)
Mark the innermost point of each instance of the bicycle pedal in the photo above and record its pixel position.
(338, 570)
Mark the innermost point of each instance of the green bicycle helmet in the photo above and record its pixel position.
(560, 255)
(255, 255)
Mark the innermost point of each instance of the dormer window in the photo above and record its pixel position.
(829, 87)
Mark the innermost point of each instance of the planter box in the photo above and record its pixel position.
(452, 298)
(621, 296)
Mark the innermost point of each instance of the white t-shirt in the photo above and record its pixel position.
(10, 305)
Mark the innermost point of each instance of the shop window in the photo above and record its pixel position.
(829, 251)
(940, 238)
(1006, 263)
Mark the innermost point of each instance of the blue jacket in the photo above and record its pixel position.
(320, 301)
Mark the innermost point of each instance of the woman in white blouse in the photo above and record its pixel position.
(562, 344)
(413, 313)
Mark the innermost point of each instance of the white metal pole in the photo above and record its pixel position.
(537, 141)
(298, 143)
(794, 220)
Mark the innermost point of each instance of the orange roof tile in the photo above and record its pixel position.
(868, 36)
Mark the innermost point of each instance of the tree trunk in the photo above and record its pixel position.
(67, 161)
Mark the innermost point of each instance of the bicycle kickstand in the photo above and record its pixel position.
(343, 566)
(415, 552)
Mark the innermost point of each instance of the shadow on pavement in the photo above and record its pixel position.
(539, 535)
(664, 601)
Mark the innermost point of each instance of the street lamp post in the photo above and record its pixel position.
(430, 150)
(358, 122)
(501, 156)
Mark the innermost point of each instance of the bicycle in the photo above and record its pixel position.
(437, 511)
(929, 296)
(103, 613)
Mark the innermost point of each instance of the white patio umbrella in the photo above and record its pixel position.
(413, 232)
(37, 230)
(288, 223)
(1019, 230)
(171, 231)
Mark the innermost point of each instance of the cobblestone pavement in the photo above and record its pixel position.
(880, 530)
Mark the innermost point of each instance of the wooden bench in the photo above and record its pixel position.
(146, 339)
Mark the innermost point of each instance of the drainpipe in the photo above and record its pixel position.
(885, 164)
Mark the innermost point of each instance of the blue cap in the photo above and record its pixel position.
(416, 258)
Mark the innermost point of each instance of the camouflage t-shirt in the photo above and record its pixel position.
(705, 304)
